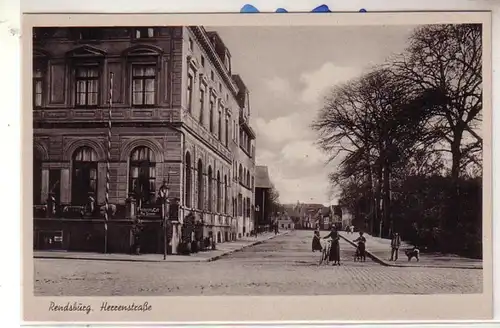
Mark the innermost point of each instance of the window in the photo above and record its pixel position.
(226, 132)
(142, 175)
(210, 189)
(248, 207)
(240, 205)
(220, 87)
(144, 32)
(37, 177)
(247, 181)
(211, 115)
(143, 85)
(240, 174)
(219, 191)
(189, 94)
(202, 61)
(212, 76)
(90, 34)
(219, 125)
(37, 87)
(225, 195)
(87, 85)
(187, 186)
(200, 184)
(253, 181)
(190, 41)
(202, 103)
(84, 183)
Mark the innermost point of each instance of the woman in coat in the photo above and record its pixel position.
(335, 249)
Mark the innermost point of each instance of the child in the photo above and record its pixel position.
(316, 244)
(361, 240)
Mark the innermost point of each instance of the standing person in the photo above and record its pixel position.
(351, 229)
(334, 255)
(316, 244)
(361, 240)
(395, 244)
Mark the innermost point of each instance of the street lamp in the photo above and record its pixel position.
(163, 195)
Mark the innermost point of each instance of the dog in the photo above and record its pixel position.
(413, 253)
(326, 245)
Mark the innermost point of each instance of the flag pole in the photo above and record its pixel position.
(108, 159)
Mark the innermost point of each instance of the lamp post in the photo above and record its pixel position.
(163, 195)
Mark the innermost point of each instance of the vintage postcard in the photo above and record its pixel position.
(231, 167)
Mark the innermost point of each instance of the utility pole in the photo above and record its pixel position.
(108, 159)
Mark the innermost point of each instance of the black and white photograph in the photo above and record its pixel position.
(217, 160)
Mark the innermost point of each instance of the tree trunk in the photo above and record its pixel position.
(386, 202)
(452, 218)
(378, 197)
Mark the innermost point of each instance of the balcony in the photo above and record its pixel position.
(96, 115)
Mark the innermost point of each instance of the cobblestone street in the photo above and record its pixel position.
(281, 266)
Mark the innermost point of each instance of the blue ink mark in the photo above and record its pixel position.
(249, 9)
(321, 9)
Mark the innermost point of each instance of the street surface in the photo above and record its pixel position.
(281, 266)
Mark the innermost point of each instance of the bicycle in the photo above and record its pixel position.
(325, 252)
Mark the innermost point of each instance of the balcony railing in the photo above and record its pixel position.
(72, 115)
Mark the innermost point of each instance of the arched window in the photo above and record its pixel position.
(142, 176)
(84, 182)
(240, 174)
(187, 186)
(210, 189)
(219, 196)
(200, 184)
(37, 177)
(225, 194)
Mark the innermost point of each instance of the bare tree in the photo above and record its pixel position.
(375, 123)
(447, 61)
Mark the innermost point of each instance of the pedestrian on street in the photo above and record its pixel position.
(361, 240)
(334, 255)
(316, 244)
(395, 244)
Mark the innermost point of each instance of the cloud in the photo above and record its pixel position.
(282, 129)
(279, 86)
(317, 82)
(303, 153)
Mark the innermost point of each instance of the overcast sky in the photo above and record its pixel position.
(288, 70)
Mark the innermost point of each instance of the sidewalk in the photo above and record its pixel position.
(379, 250)
(223, 249)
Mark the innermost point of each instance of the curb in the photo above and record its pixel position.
(190, 260)
(368, 253)
(217, 257)
(385, 263)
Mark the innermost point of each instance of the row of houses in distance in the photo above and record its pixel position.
(312, 216)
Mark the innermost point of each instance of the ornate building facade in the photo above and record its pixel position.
(179, 115)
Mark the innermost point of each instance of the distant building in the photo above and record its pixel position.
(286, 223)
(263, 187)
